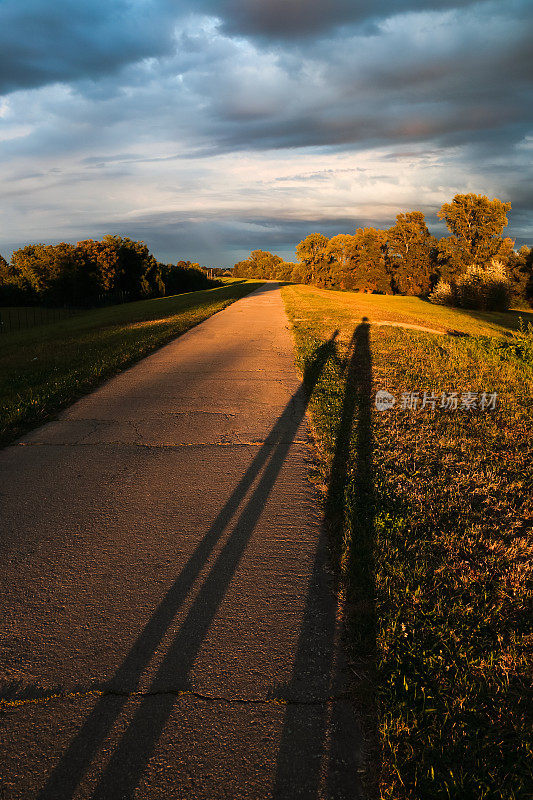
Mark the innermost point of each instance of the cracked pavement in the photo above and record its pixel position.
(169, 623)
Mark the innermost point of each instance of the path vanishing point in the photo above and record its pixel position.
(168, 624)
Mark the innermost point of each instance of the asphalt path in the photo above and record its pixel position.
(168, 621)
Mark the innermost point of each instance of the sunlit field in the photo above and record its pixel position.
(350, 307)
(43, 369)
(430, 514)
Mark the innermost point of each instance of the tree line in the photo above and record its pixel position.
(91, 271)
(406, 258)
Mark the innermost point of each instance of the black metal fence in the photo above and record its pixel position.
(16, 319)
(111, 299)
(20, 317)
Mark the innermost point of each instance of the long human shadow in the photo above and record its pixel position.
(321, 746)
(132, 753)
(359, 549)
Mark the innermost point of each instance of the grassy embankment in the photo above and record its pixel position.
(430, 514)
(45, 368)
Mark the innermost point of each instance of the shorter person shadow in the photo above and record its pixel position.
(331, 750)
(131, 755)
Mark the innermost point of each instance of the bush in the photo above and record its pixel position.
(483, 288)
(185, 277)
(442, 294)
(13, 295)
(499, 291)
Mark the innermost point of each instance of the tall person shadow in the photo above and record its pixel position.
(321, 751)
(125, 768)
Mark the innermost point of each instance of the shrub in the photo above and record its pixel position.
(498, 287)
(484, 288)
(442, 294)
(185, 277)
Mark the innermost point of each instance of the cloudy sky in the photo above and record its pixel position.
(211, 127)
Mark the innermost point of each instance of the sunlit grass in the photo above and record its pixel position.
(348, 307)
(439, 606)
(45, 368)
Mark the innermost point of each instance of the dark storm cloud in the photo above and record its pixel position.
(425, 81)
(293, 19)
(42, 42)
(442, 87)
(207, 85)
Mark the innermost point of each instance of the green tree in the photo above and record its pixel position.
(284, 271)
(121, 264)
(77, 274)
(299, 274)
(261, 264)
(264, 264)
(368, 262)
(476, 225)
(135, 266)
(12, 290)
(7, 274)
(520, 271)
(410, 251)
(101, 264)
(49, 272)
(312, 252)
(4, 269)
(183, 277)
(340, 249)
(242, 269)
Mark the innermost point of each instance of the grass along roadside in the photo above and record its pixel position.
(45, 368)
(430, 514)
(347, 306)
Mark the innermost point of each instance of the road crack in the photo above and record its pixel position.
(147, 446)
(45, 697)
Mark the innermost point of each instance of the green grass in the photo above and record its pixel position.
(45, 368)
(350, 306)
(430, 515)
